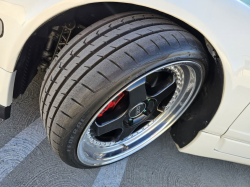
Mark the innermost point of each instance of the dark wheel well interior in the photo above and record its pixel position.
(198, 115)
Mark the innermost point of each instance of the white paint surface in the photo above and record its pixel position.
(209, 145)
(7, 80)
(240, 130)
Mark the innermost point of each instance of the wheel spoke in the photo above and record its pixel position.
(137, 93)
(165, 92)
(128, 130)
(125, 133)
(153, 115)
(109, 126)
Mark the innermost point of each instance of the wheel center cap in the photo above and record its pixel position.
(137, 110)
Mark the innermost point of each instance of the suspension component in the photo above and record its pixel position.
(64, 37)
(57, 39)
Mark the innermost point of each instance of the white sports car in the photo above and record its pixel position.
(118, 74)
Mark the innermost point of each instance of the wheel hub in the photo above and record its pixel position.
(137, 110)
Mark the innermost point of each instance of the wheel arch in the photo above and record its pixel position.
(174, 9)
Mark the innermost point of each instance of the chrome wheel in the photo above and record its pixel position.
(139, 113)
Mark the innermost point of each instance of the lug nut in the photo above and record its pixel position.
(146, 112)
(128, 122)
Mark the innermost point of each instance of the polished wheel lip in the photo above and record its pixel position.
(154, 129)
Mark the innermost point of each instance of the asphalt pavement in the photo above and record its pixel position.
(26, 159)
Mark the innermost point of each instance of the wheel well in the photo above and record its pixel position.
(198, 115)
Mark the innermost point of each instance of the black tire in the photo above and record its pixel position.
(101, 60)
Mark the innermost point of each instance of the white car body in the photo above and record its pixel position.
(224, 23)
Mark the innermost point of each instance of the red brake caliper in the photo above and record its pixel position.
(112, 105)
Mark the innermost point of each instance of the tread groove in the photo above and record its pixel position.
(75, 101)
(60, 126)
(165, 39)
(142, 48)
(155, 45)
(66, 114)
(131, 57)
(55, 148)
(184, 37)
(84, 85)
(176, 39)
(103, 76)
(112, 61)
(56, 143)
(56, 134)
